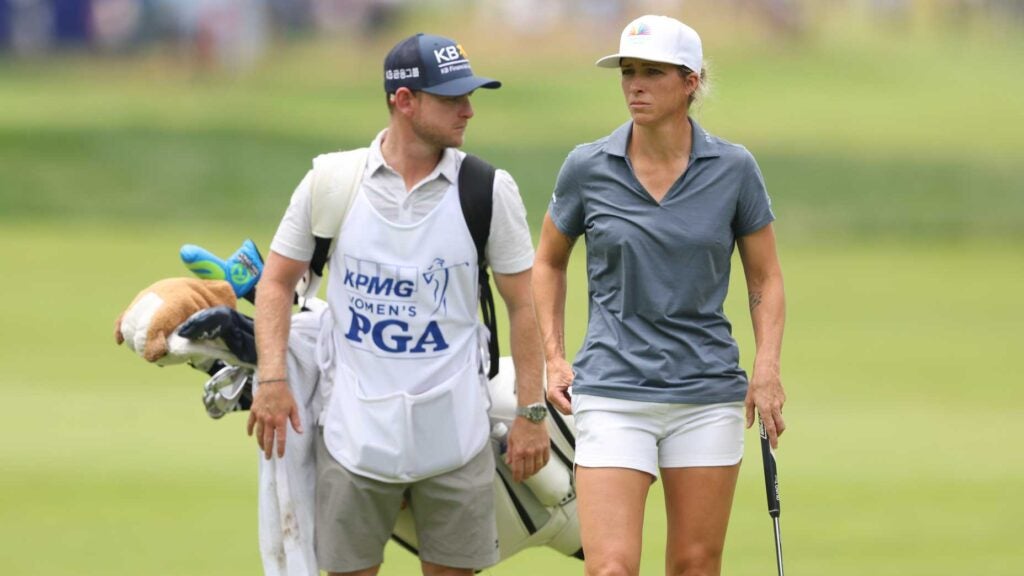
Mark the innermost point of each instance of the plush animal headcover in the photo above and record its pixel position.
(158, 310)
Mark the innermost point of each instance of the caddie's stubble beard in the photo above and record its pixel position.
(436, 135)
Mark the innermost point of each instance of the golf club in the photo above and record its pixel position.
(771, 486)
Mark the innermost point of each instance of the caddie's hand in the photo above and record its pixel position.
(529, 448)
(560, 377)
(273, 406)
(765, 394)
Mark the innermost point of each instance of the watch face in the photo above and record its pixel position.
(533, 412)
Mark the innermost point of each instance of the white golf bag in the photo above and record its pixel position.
(538, 512)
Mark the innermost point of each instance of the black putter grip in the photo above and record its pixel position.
(771, 473)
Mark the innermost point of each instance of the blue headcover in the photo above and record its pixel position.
(242, 269)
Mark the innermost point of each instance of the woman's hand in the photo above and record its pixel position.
(560, 377)
(765, 393)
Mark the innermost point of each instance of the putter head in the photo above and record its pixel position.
(227, 391)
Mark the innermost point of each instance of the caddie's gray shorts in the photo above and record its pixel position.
(453, 513)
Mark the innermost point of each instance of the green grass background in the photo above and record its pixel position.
(893, 160)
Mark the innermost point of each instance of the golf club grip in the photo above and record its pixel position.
(771, 473)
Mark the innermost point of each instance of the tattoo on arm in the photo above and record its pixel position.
(755, 300)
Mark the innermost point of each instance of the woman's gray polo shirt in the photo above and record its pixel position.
(657, 273)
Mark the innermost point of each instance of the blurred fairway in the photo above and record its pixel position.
(901, 220)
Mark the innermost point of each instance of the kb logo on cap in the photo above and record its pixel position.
(450, 55)
(451, 58)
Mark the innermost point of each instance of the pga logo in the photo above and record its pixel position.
(395, 336)
(449, 54)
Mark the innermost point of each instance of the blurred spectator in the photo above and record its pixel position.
(783, 18)
(529, 17)
(605, 11)
(231, 34)
(228, 34)
(116, 24)
(291, 16)
(71, 21)
(364, 17)
(31, 26)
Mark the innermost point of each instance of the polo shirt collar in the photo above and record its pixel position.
(447, 167)
(619, 140)
(704, 144)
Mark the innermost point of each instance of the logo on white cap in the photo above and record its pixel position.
(658, 39)
(638, 28)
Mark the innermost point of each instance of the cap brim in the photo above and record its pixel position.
(613, 60)
(461, 86)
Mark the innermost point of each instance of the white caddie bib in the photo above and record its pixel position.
(409, 399)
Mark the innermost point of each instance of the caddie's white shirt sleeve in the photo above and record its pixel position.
(510, 246)
(294, 236)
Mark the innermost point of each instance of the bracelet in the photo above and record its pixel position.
(271, 380)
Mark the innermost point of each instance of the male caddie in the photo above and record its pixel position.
(406, 420)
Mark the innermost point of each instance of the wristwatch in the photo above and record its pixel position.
(533, 412)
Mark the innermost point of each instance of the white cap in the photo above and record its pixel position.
(658, 39)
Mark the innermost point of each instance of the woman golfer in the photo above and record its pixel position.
(657, 387)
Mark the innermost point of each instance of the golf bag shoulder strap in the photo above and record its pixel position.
(334, 182)
(476, 195)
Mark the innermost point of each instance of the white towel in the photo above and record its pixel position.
(287, 486)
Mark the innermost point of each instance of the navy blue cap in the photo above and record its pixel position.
(431, 64)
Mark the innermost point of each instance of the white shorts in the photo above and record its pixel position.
(646, 436)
